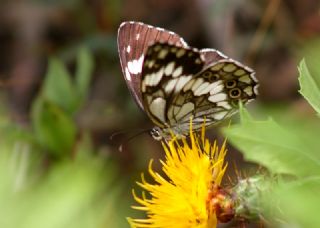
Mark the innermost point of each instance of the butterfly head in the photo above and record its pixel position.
(169, 133)
(157, 133)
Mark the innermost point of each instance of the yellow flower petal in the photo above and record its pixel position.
(179, 197)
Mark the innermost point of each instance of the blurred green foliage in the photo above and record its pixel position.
(61, 97)
(51, 176)
(282, 149)
(309, 86)
(290, 147)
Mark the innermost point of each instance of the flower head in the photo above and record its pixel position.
(182, 198)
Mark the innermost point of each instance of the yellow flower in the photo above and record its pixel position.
(183, 197)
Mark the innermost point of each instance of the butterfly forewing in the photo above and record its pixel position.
(134, 38)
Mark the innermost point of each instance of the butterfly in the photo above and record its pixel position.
(173, 82)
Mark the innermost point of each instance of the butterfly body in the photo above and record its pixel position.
(173, 82)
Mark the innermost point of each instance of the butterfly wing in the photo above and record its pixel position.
(179, 83)
(214, 94)
(166, 70)
(134, 38)
(211, 56)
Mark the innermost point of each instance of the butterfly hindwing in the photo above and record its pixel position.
(175, 87)
(215, 92)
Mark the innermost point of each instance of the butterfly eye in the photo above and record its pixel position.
(235, 93)
(230, 84)
(156, 133)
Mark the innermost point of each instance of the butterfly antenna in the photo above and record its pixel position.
(127, 140)
(122, 132)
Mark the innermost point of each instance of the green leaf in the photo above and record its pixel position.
(84, 71)
(310, 86)
(299, 201)
(54, 129)
(277, 148)
(58, 87)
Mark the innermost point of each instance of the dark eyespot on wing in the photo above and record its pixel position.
(225, 80)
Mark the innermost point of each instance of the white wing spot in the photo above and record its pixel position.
(248, 90)
(245, 79)
(145, 82)
(151, 63)
(157, 108)
(196, 84)
(173, 49)
(147, 79)
(135, 66)
(202, 89)
(219, 115)
(189, 85)
(218, 97)
(143, 88)
(177, 72)
(157, 48)
(152, 79)
(197, 61)
(171, 84)
(239, 72)
(217, 87)
(181, 82)
(180, 53)
(157, 77)
(128, 75)
(230, 67)
(224, 104)
(169, 69)
(206, 88)
(217, 67)
(185, 109)
(137, 36)
(163, 53)
(128, 48)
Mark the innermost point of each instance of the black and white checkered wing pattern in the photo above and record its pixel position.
(134, 38)
(172, 82)
(179, 83)
(166, 70)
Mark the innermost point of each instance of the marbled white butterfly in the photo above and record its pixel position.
(173, 82)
